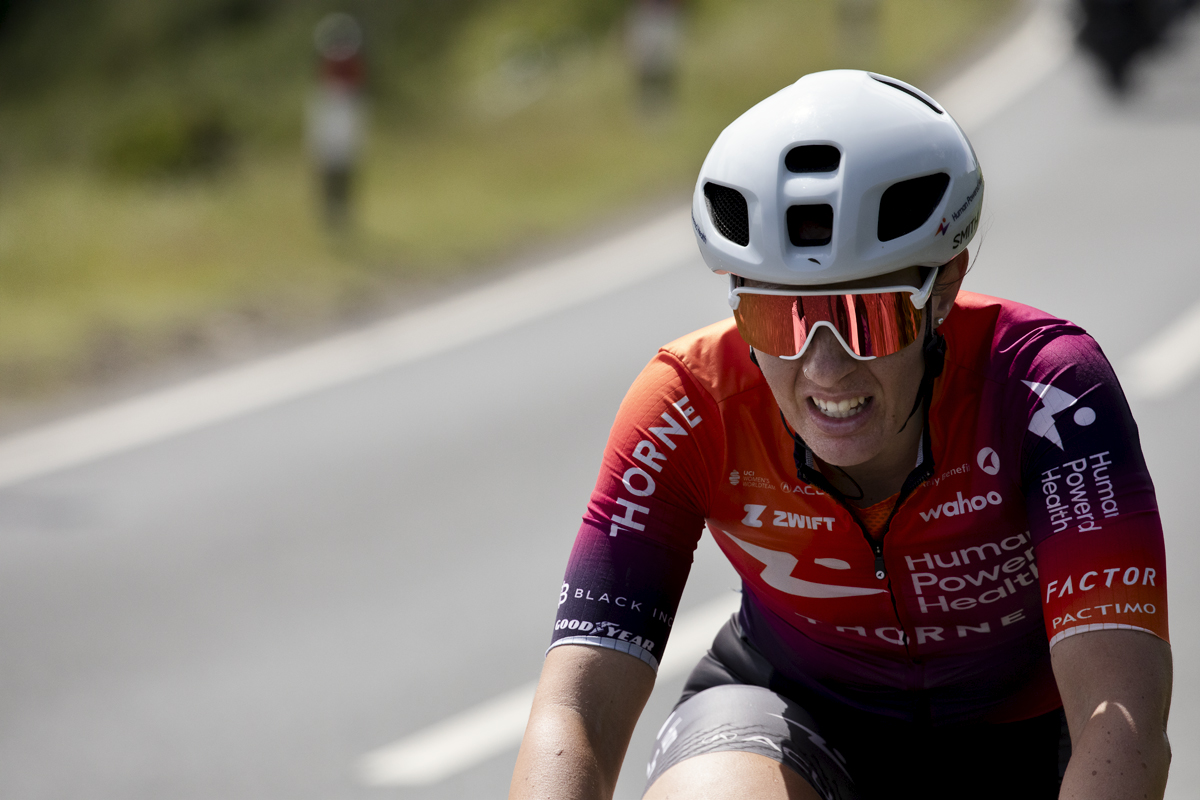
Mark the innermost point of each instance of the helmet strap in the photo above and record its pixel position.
(933, 350)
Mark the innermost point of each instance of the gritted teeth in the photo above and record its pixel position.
(840, 409)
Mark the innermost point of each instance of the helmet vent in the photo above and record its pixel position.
(908, 91)
(813, 158)
(727, 207)
(810, 226)
(906, 205)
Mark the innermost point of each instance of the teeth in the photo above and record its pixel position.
(840, 409)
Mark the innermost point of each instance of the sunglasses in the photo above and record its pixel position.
(869, 323)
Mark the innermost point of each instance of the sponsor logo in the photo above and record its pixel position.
(988, 461)
(1128, 576)
(637, 480)
(1054, 402)
(1088, 615)
(699, 232)
(963, 505)
(1072, 502)
(786, 519)
(777, 573)
(1114, 577)
(749, 480)
(966, 233)
(586, 594)
(574, 625)
(803, 488)
(608, 630)
(967, 203)
(961, 469)
(980, 575)
(945, 226)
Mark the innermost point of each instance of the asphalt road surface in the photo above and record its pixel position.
(245, 608)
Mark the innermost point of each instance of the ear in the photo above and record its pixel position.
(949, 279)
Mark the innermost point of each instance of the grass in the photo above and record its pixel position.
(101, 274)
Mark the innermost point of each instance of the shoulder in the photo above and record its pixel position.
(716, 359)
(704, 376)
(1004, 341)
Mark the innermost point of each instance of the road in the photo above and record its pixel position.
(245, 605)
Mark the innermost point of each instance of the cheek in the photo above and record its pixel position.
(781, 377)
(901, 378)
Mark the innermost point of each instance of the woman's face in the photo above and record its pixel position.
(851, 412)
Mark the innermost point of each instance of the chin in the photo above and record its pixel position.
(840, 452)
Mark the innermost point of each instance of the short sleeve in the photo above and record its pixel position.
(634, 549)
(1091, 507)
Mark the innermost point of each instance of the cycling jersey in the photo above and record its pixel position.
(1028, 517)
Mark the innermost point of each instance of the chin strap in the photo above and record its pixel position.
(934, 351)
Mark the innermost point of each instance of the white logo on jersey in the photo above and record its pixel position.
(778, 575)
(753, 513)
(988, 461)
(1055, 401)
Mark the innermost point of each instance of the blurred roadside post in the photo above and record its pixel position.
(335, 114)
(653, 40)
(858, 22)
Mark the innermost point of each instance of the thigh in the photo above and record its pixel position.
(730, 775)
(745, 741)
(732, 715)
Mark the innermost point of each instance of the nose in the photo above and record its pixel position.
(826, 362)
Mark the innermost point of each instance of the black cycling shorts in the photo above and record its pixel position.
(849, 754)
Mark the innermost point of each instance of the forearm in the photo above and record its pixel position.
(1113, 759)
(558, 760)
(587, 703)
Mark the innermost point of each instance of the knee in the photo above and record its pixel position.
(730, 775)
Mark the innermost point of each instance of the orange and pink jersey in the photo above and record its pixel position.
(1028, 518)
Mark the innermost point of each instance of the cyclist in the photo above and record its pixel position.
(952, 562)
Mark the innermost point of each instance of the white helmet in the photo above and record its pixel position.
(842, 175)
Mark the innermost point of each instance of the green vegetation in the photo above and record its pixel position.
(155, 192)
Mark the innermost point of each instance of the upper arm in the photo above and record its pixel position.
(1114, 671)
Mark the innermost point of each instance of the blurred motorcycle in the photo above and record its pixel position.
(1116, 32)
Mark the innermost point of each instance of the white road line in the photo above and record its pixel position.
(1017, 65)
(466, 739)
(990, 85)
(654, 248)
(1168, 361)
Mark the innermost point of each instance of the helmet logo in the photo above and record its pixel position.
(967, 203)
(941, 231)
(963, 236)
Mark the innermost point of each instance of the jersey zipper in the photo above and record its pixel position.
(922, 472)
